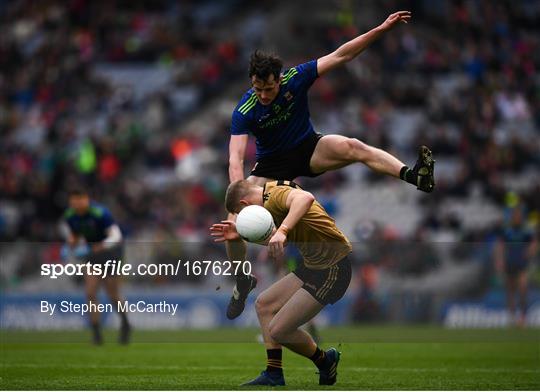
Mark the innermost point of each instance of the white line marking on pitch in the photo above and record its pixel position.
(424, 370)
(354, 369)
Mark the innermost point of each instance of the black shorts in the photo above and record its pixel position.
(114, 253)
(289, 164)
(328, 285)
(514, 269)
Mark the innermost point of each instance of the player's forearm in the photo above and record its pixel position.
(236, 250)
(66, 232)
(114, 236)
(299, 207)
(236, 170)
(353, 48)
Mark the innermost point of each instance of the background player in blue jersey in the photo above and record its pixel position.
(275, 110)
(92, 234)
(515, 247)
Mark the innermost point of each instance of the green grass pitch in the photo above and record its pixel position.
(374, 357)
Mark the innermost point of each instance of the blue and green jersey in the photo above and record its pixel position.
(517, 241)
(283, 124)
(93, 225)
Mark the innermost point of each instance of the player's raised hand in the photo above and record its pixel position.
(395, 18)
(224, 231)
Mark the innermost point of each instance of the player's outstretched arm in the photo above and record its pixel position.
(237, 151)
(353, 48)
(236, 248)
(114, 236)
(298, 203)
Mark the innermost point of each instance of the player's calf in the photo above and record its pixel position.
(125, 331)
(97, 338)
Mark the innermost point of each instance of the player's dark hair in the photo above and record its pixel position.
(235, 192)
(76, 192)
(262, 65)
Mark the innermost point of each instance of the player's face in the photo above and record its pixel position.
(79, 203)
(266, 90)
(517, 217)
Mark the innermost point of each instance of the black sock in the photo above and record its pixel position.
(123, 320)
(406, 174)
(95, 329)
(319, 357)
(273, 364)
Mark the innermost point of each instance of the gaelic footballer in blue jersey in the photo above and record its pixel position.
(92, 235)
(284, 124)
(275, 110)
(516, 246)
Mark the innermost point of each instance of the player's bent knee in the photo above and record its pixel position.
(280, 332)
(352, 150)
(259, 306)
(355, 150)
(263, 305)
(277, 333)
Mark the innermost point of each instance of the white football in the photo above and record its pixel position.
(255, 224)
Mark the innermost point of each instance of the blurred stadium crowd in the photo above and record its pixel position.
(133, 100)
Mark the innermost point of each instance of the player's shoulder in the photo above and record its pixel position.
(293, 73)
(288, 75)
(270, 185)
(278, 186)
(246, 103)
(69, 214)
(269, 194)
(98, 210)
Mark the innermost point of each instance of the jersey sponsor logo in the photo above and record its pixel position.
(264, 118)
(282, 117)
(86, 228)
